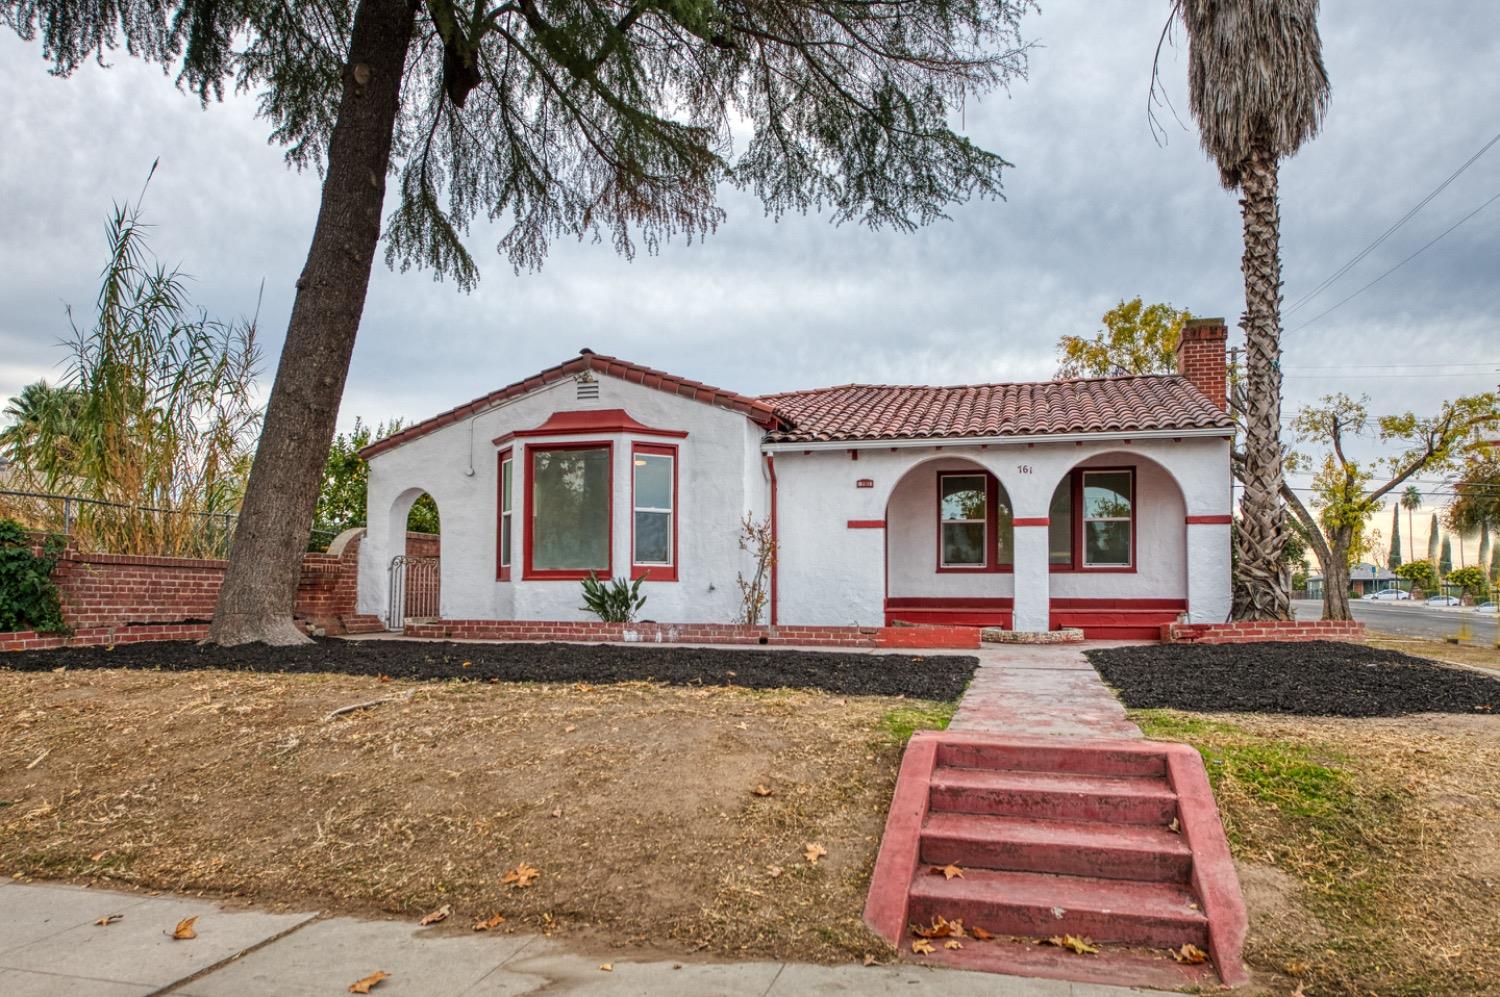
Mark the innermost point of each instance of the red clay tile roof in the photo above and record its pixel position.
(753, 408)
(1086, 405)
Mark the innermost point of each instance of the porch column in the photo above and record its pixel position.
(1208, 569)
(1032, 576)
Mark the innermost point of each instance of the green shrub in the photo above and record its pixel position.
(616, 601)
(1471, 580)
(1421, 574)
(29, 599)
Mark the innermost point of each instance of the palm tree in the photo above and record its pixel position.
(1258, 90)
(1411, 501)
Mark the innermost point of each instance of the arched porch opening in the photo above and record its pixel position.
(414, 586)
(950, 546)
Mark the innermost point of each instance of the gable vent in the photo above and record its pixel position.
(588, 389)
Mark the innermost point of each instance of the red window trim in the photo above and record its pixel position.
(655, 572)
(529, 573)
(502, 568)
(1075, 485)
(991, 563)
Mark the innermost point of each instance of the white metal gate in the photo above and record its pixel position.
(414, 590)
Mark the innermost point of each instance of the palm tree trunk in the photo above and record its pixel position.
(260, 587)
(1260, 591)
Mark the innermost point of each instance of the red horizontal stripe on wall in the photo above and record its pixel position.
(866, 524)
(1211, 520)
(1033, 521)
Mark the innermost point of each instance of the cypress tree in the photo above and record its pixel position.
(1395, 558)
(1445, 560)
(1432, 541)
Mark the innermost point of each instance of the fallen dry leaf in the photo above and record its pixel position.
(953, 943)
(941, 928)
(486, 923)
(363, 986)
(441, 914)
(761, 789)
(97, 856)
(869, 959)
(922, 947)
(521, 876)
(980, 933)
(557, 812)
(1190, 954)
(607, 967)
(184, 929)
(773, 871)
(570, 728)
(948, 871)
(108, 919)
(1073, 943)
(814, 851)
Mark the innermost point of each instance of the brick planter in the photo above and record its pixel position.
(1251, 632)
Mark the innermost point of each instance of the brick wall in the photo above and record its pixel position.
(1251, 632)
(1200, 358)
(697, 633)
(117, 598)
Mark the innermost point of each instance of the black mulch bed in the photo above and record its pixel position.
(1314, 679)
(940, 677)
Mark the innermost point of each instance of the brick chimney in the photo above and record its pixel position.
(1200, 358)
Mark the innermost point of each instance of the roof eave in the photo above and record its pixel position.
(907, 443)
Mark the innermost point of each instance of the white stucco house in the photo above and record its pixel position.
(1102, 503)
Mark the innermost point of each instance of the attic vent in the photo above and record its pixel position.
(588, 389)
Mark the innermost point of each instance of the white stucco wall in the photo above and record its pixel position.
(720, 479)
(912, 540)
(831, 574)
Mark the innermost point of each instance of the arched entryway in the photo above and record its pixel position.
(414, 587)
(950, 546)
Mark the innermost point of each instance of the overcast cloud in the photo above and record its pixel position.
(1096, 211)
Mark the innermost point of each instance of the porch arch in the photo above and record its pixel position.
(414, 570)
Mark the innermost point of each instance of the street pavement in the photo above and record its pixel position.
(1414, 619)
(50, 946)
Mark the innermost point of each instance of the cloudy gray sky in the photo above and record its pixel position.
(1096, 211)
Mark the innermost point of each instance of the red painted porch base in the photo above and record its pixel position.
(1099, 619)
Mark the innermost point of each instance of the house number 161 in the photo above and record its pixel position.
(1023, 468)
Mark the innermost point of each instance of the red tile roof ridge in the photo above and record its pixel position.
(1114, 378)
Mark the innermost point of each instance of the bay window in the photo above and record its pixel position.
(568, 515)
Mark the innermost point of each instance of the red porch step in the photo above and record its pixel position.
(1058, 796)
(1115, 841)
(1075, 848)
(1163, 915)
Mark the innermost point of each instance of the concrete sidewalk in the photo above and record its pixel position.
(1037, 689)
(50, 946)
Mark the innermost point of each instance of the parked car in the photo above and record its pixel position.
(1387, 595)
(1443, 600)
(1485, 607)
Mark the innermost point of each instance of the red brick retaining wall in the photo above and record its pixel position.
(118, 598)
(1250, 632)
(697, 633)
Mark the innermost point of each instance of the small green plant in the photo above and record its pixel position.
(616, 601)
(29, 599)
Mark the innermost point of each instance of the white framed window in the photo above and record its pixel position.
(507, 534)
(654, 511)
(1109, 519)
(963, 520)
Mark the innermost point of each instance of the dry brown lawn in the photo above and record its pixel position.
(636, 802)
(1368, 849)
(1474, 655)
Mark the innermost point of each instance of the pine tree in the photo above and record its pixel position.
(1395, 557)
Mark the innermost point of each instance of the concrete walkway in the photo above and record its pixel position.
(50, 946)
(1033, 689)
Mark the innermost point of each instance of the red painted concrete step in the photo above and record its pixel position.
(1048, 795)
(1128, 758)
(1160, 915)
(1077, 848)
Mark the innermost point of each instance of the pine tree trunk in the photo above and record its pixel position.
(260, 588)
(1260, 590)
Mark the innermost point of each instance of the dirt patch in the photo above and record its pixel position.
(1472, 655)
(1367, 849)
(939, 677)
(1315, 678)
(638, 802)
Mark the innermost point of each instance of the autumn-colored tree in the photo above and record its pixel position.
(1347, 489)
(1137, 338)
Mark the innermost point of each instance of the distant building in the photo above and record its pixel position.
(1363, 579)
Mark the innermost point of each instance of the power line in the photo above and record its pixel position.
(1329, 281)
(1398, 266)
